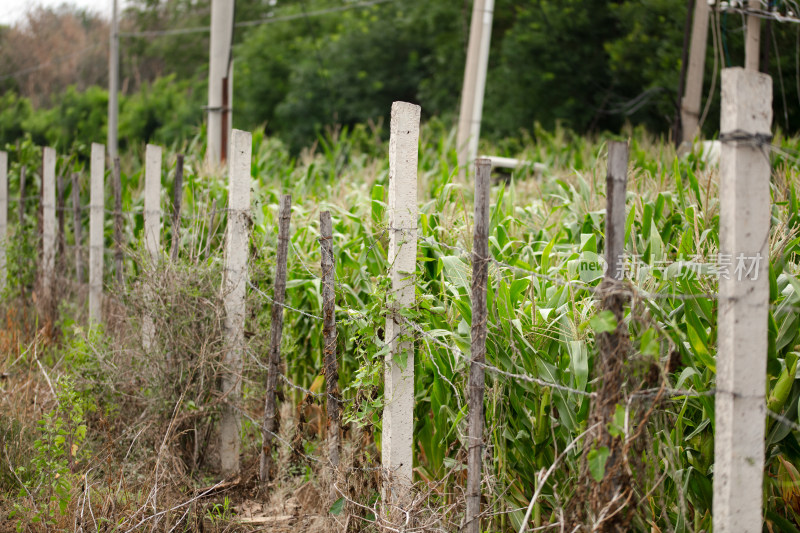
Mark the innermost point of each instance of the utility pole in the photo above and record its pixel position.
(469, 118)
(752, 47)
(687, 32)
(218, 69)
(690, 103)
(113, 84)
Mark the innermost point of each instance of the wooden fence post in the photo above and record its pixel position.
(613, 347)
(616, 186)
(96, 215)
(398, 411)
(118, 257)
(61, 214)
(236, 253)
(76, 224)
(152, 229)
(48, 228)
(3, 217)
(177, 192)
(329, 343)
(480, 278)
(743, 300)
(21, 207)
(270, 422)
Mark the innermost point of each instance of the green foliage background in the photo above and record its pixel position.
(590, 65)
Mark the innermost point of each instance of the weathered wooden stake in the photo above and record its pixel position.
(76, 224)
(176, 208)
(152, 229)
(480, 278)
(21, 207)
(96, 216)
(609, 496)
(236, 252)
(270, 422)
(398, 411)
(60, 213)
(329, 343)
(212, 227)
(118, 257)
(743, 301)
(3, 217)
(616, 186)
(48, 226)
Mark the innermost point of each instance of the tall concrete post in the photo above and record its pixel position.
(398, 412)
(743, 301)
(469, 118)
(752, 44)
(152, 230)
(96, 241)
(237, 249)
(113, 84)
(218, 66)
(690, 104)
(48, 226)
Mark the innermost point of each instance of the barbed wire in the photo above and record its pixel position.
(285, 306)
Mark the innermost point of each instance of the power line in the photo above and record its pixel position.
(257, 22)
(769, 13)
(182, 31)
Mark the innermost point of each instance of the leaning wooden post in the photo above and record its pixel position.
(480, 278)
(743, 300)
(398, 411)
(3, 217)
(48, 228)
(76, 224)
(270, 423)
(177, 192)
(329, 342)
(96, 216)
(235, 285)
(152, 229)
(613, 347)
(118, 257)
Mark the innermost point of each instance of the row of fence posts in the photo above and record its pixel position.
(742, 319)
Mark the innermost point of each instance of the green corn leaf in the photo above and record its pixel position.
(603, 322)
(597, 462)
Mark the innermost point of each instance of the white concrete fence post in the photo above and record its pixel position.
(48, 225)
(237, 243)
(398, 411)
(152, 229)
(743, 301)
(3, 217)
(96, 215)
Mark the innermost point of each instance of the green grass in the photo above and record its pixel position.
(541, 306)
